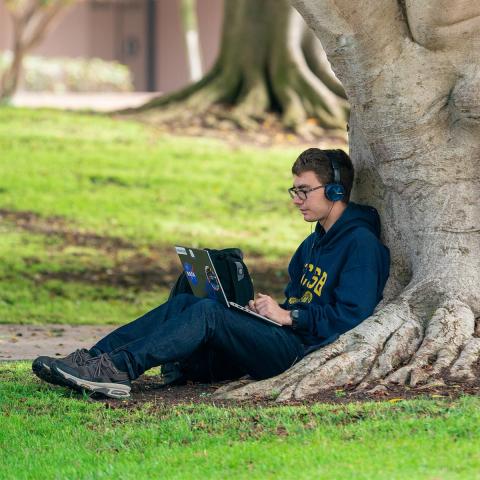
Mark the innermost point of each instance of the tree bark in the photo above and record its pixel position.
(411, 74)
(261, 68)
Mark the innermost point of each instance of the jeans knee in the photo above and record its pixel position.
(209, 311)
(183, 299)
(206, 305)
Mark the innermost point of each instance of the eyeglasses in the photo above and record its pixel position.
(302, 193)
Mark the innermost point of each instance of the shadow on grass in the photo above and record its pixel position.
(138, 271)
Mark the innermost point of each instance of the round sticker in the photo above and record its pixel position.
(212, 278)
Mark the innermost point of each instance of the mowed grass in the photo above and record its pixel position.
(90, 175)
(123, 179)
(47, 432)
(86, 197)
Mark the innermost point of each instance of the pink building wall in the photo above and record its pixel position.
(171, 60)
(94, 30)
(67, 38)
(210, 19)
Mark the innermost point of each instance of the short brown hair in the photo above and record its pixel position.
(320, 163)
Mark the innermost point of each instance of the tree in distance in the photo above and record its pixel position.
(411, 72)
(269, 61)
(31, 20)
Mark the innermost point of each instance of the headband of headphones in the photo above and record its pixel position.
(336, 170)
(335, 191)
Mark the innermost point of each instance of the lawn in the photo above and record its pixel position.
(46, 432)
(90, 208)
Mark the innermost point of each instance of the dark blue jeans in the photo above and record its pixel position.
(185, 325)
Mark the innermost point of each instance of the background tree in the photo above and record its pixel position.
(266, 63)
(192, 43)
(31, 20)
(411, 73)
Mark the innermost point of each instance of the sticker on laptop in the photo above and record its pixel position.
(212, 279)
(181, 250)
(190, 273)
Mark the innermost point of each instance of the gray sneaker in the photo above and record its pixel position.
(97, 375)
(42, 366)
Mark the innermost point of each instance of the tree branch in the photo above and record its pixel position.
(37, 26)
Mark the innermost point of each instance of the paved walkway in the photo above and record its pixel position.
(26, 342)
(98, 102)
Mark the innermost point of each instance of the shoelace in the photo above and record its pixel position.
(98, 363)
(80, 356)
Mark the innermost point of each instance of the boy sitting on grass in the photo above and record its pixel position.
(337, 276)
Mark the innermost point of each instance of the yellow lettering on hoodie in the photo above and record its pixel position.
(307, 297)
(304, 280)
(320, 284)
(315, 277)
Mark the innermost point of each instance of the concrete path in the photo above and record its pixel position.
(26, 342)
(97, 102)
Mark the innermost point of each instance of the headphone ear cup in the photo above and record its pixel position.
(334, 192)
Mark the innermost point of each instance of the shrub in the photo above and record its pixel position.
(41, 74)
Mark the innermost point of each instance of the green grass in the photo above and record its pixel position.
(121, 178)
(47, 432)
(85, 174)
(88, 179)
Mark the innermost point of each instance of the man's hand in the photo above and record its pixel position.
(268, 307)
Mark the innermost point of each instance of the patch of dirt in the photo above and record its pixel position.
(266, 132)
(26, 342)
(160, 270)
(148, 389)
(59, 227)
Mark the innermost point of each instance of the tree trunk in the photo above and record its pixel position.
(410, 70)
(10, 78)
(31, 21)
(192, 43)
(260, 68)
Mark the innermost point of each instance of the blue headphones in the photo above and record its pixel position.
(335, 191)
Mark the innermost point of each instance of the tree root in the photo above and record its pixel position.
(393, 346)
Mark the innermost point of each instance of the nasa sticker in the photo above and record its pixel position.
(190, 273)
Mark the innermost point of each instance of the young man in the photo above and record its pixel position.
(337, 276)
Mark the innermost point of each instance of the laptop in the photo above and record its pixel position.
(202, 277)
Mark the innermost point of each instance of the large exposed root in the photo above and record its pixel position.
(394, 346)
(462, 369)
(447, 333)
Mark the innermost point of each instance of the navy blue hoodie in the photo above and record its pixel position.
(337, 278)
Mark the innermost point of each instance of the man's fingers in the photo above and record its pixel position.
(251, 305)
(260, 304)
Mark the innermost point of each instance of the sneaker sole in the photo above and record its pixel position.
(112, 390)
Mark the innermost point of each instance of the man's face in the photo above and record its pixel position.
(316, 207)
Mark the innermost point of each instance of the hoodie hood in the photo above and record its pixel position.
(354, 216)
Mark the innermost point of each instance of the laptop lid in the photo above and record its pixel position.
(201, 274)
